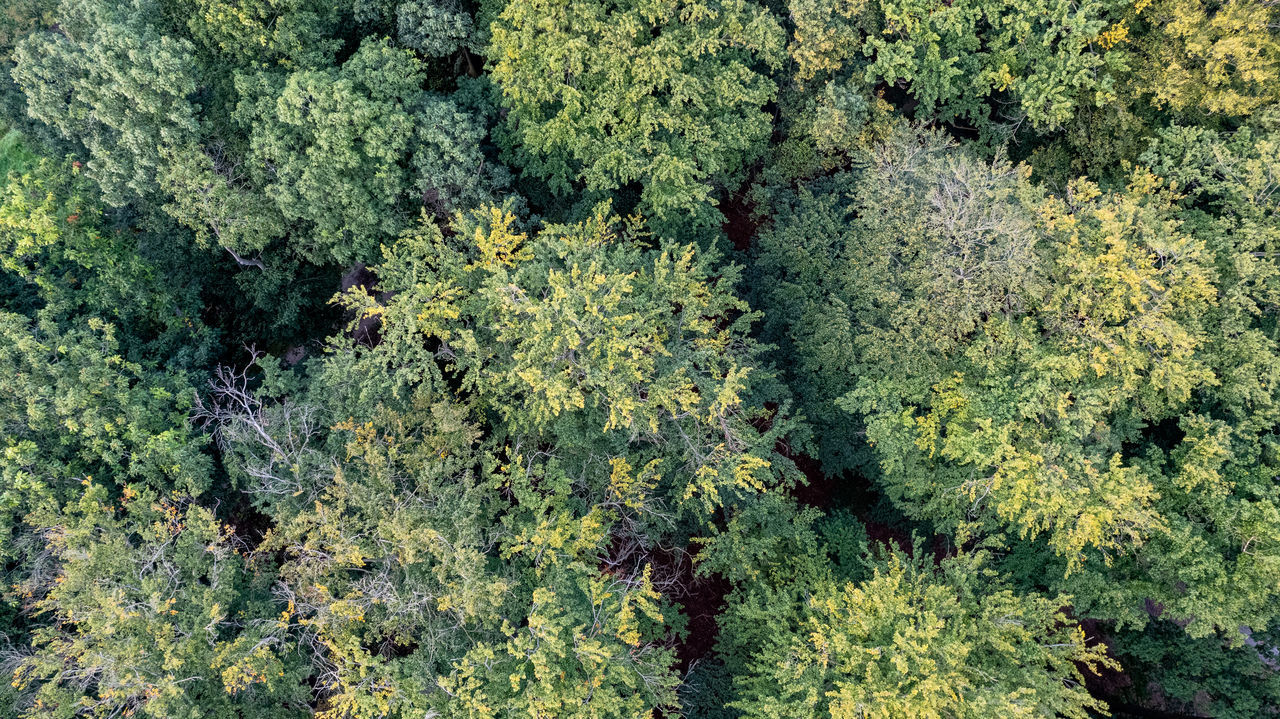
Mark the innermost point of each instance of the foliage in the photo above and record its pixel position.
(329, 149)
(388, 573)
(115, 84)
(1016, 381)
(1212, 58)
(433, 28)
(1205, 676)
(666, 94)
(157, 615)
(266, 33)
(959, 59)
(584, 337)
(74, 408)
(387, 359)
(578, 656)
(55, 239)
(915, 640)
(888, 266)
(335, 139)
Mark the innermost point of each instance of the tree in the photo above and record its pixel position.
(416, 554)
(1042, 404)
(1219, 58)
(915, 640)
(68, 260)
(283, 144)
(297, 34)
(386, 527)
(73, 408)
(1212, 64)
(436, 28)
(607, 373)
(585, 338)
(115, 84)
(156, 614)
(957, 59)
(667, 94)
(337, 134)
(1201, 676)
(1090, 393)
(887, 270)
(587, 633)
(580, 654)
(331, 148)
(211, 196)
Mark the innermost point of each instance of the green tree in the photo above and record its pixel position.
(1201, 676)
(335, 138)
(607, 372)
(436, 28)
(379, 509)
(887, 270)
(156, 614)
(579, 654)
(666, 94)
(913, 640)
(1210, 58)
(587, 631)
(73, 408)
(112, 82)
(958, 60)
(587, 337)
(416, 556)
(67, 259)
(295, 34)
(332, 148)
(1093, 380)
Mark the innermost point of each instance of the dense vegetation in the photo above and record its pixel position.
(776, 359)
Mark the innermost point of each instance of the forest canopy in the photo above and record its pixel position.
(638, 359)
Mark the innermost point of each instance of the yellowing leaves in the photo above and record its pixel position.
(1220, 59)
(1115, 34)
(500, 246)
(916, 640)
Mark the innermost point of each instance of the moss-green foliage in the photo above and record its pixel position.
(594, 338)
(331, 149)
(15, 156)
(827, 626)
(1087, 369)
(73, 409)
(432, 27)
(1206, 64)
(1201, 676)
(62, 253)
(386, 359)
(915, 640)
(1201, 57)
(158, 614)
(886, 269)
(265, 33)
(669, 95)
(112, 82)
(959, 60)
(234, 119)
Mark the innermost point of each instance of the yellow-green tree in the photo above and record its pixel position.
(1206, 58)
(915, 640)
(1091, 373)
(978, 62)
(667, 94)
(157, 614)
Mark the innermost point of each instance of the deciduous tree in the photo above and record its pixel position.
(668, 94)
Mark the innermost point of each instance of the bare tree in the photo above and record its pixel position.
(272, 441)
